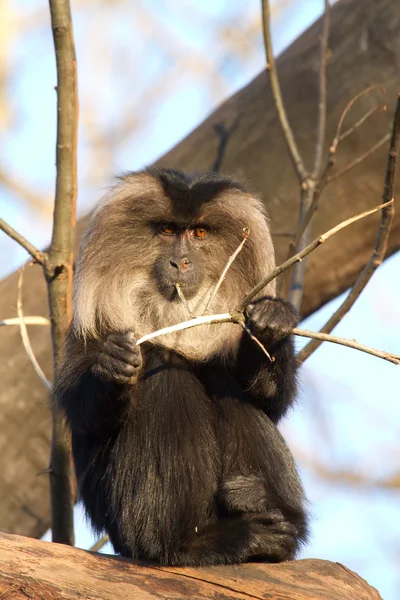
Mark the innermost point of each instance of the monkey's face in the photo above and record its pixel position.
(181, 260)
(160, 231)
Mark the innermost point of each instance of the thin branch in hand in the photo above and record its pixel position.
(359, 159)
(257, 341)
(277, 95)
(224, 134)
(325, 337)
(206, 319)
(246, 233)
(24, 334)
(27, 321)
(37, 255)
(380, 245)
(300, 255)
(319, 146)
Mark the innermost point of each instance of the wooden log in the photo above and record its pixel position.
(36, 569)
(365, 48)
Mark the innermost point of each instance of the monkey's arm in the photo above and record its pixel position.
(272, 384)
(95, 381)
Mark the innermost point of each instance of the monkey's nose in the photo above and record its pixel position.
(182, 264)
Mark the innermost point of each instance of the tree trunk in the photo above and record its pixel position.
(365, 50)
(34, 569)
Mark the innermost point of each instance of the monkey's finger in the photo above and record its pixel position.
(131, 357)
(114, 365)
(126, 339)
(107, 374)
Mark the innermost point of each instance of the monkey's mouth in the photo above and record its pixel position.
(169, 281)
(183, 290)
(177, 291)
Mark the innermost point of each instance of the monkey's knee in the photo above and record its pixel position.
(244, 494)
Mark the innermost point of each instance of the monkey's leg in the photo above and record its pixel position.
(260, 481)
(237, 539)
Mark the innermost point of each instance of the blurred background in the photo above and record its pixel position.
(148, 73)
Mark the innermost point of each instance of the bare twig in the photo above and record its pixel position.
(37, 255)
(256, 341)
(319, 146)
(59, 280)
(338, 134)
(306, 218)
(324, 178)
(27, 321)
(224, 136)
(311, 193)
(325, 337)
(100, 543)
(300, 255)
(24, 334)
(311, 185)
(236, 318)
(246, 233)
(277, 95)
(358, 123)
(380, 245)
(206, 319)
(183, 299)
(297, 275)
(359, 159)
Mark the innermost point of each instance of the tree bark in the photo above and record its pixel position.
(35, 569)
(365, 50)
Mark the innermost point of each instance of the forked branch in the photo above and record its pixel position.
(378, 254)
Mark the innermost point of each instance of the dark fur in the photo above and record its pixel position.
(177, 455)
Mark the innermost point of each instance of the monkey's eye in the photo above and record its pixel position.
(167, 229)
(200, 232)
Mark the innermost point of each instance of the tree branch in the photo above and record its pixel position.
(319, 146)
(246, 232)
(300, 255)
(325, 337)
(37, 255)
(26, 320)
(277, 94)
(59, 278)
(24, 334)
(381, 240)
(313, 186)
(359, 159)
(338, 135)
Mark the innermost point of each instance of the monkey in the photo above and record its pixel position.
(175, 442)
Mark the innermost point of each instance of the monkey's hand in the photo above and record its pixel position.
(271, 320)
(119, 358)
